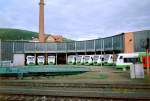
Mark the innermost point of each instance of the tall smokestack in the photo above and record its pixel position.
(41, 22)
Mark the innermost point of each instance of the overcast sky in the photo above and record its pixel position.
(78, 19)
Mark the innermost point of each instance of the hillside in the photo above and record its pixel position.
(17, 34)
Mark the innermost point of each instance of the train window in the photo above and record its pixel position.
(106, 57)
(130, 60)
(121, 57)
(96, 58)
(87, 58)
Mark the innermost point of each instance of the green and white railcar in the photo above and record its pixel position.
(30, 60)
(98, 60)
(51, 60)
(108, 60)
(124, 60)
(80, 59)
(88, 59)
(41, 60)
(71, 59)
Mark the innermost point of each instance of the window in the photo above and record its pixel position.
(87, 58)
(96, 58)
(130, 60)
(121, 57)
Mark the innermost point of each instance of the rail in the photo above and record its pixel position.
(70, 91)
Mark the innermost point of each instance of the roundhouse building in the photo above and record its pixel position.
(16, 51)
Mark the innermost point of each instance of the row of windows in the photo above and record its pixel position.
(139, 40)
(110, 43)
(89, 45)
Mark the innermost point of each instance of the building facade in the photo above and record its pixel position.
(123, 43)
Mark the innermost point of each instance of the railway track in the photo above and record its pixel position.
(45, 83)
(56, 91)
(62, 98)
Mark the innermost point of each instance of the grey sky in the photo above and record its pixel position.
(78, 19)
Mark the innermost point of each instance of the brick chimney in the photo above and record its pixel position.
(41, 22)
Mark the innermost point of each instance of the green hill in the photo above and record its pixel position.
(16, 34)
(67, 40)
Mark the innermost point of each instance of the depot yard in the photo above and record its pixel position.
(98, 84)
(95, 74)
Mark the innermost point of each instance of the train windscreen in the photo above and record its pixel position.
(78, 58)
(31, 58)
(86, 58)
(95, 58)
(106, 57)
(70, 57)
(51, 57)
(41, 58)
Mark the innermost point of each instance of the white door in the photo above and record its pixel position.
(19, 60)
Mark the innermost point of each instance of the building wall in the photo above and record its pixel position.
(18, 59)
(140, 38)
(128, 42)
(50, 39)
(0, 52)
(7, 50)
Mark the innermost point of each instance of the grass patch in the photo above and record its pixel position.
(103, 76)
